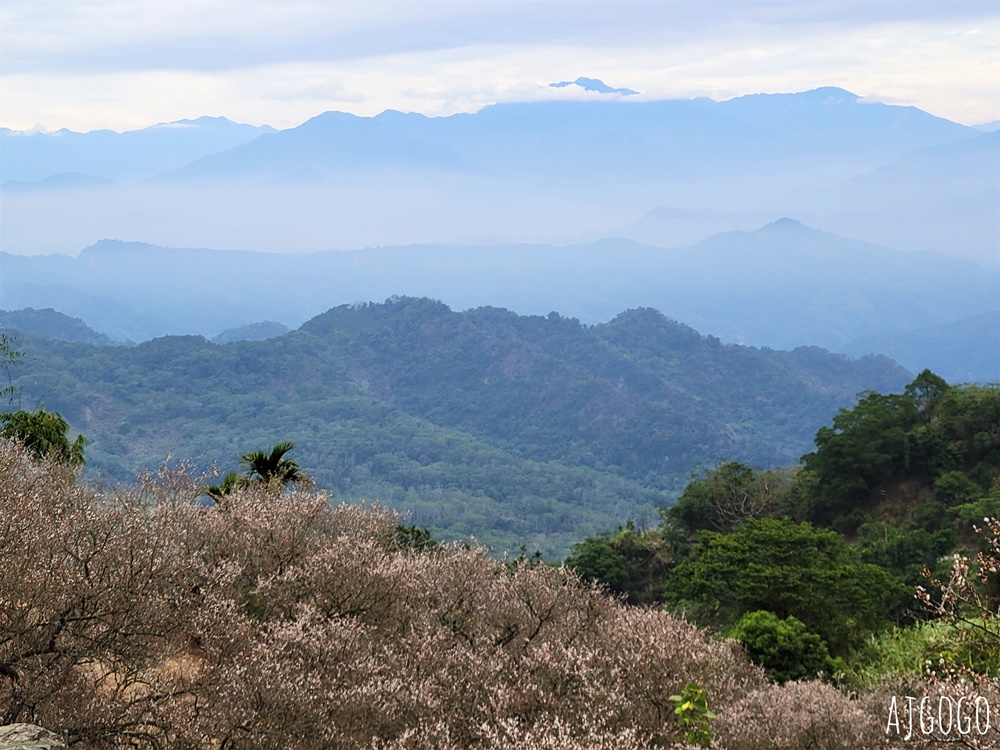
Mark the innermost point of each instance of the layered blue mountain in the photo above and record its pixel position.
(557, 139)
(953, 188)
(51, 324)
(967, 349)
(546, 171)
(783, 285)
(330, 143)
(34, 157)
(60, 181)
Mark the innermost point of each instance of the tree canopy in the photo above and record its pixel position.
(45, 434)
(917, 456)
(273, 469)
(787, 568)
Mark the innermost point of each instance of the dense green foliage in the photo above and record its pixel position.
(915, 457)
(9, 356)
(789, 569)
(629, 562)
(723, 498)
(786, 648)
(817, 561)
(45, 434)
(514, 429)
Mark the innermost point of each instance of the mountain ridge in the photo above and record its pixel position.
(534, 429)
(512, 172)
(783, 285)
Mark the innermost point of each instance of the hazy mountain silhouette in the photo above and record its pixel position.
(332, 143)
(783, 285)
(537, 171)
(32, 157)
(557, 139)
(50, 324)
(664, 226)
(60, 181)
(265, 329)
(941, 196)
(963, 351)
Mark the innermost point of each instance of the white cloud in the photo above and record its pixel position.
(97, 63)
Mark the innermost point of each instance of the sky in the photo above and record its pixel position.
(93, 64)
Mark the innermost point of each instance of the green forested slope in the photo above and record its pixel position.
(516, 429)
(898, 488)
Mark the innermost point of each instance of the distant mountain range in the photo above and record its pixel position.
(953, 187)
(968, 350)
(781, 286)
(105, 154)
(510, 173)
(653, 141)
(51, 324)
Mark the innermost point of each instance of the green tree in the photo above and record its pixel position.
(907, 458)
(596, 559)
(44, 433)
(9, 356)
(865, 448)
(790, 569)
(273, 469)
(786, 648)
(727, 496)
(906, 554)
(630, 562)
(231, 481)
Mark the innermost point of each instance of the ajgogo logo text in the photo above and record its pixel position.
(945, 717)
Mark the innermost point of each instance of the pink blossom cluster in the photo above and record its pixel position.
(136, 617)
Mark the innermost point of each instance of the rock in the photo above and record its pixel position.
(29, 737)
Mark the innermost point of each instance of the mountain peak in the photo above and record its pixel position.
(203, 121)
(593, 84)
(786, 224)
(824, 95)
(828, 93)
(115, 248)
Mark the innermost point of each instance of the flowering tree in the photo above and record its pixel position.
(970, 599)
(134, 617)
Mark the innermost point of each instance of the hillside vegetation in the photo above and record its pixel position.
(778, 608)
(815, 568)
(534, 430)
(133, 617)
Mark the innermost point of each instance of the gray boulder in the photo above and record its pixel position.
(29, 737)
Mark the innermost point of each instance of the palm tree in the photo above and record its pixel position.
(231, 482)
(273, 469)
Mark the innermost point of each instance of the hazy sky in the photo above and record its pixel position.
(88, 64)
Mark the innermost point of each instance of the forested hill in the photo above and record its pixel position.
(642, 393)
(513, 428)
